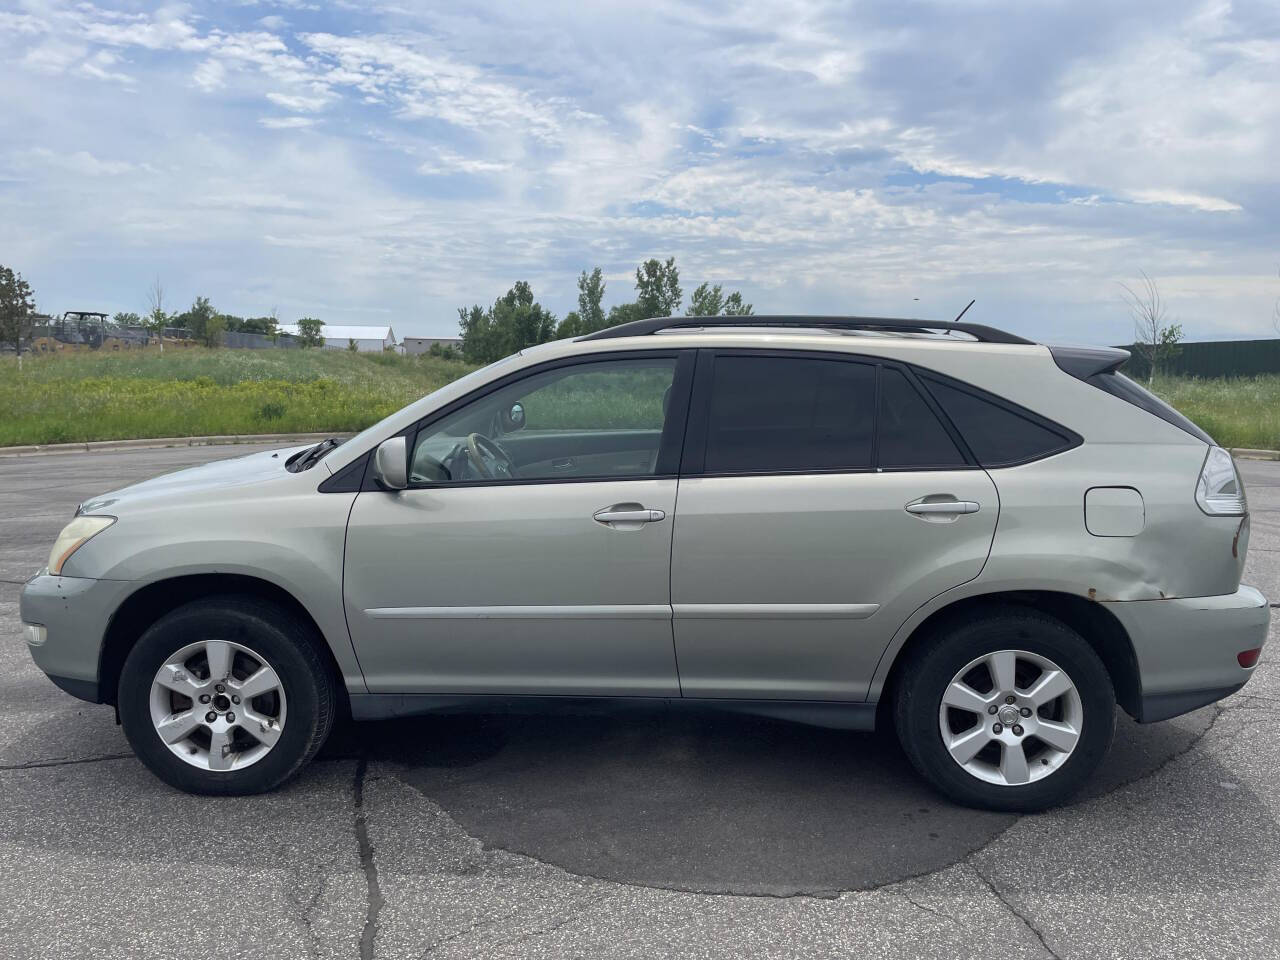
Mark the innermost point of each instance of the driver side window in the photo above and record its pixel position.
(601, 419)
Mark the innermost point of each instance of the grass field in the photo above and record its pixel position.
(1242, 412)
(59, 399)
(197, 392)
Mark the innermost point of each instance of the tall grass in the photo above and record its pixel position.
(1240, 412)
(94, 396)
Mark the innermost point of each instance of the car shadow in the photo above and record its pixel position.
(709, 802)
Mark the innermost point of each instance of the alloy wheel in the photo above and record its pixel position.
(218, 705)
(1010, 717)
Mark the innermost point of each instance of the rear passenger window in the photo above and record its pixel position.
(997, 433)
(775, 414)
(911, 436)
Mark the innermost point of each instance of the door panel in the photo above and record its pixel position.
(791, 586)
(512, 589)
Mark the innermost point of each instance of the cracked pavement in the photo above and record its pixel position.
(642, 837)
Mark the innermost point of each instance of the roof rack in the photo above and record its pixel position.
(639, 328)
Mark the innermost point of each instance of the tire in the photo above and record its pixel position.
(963, 657)
(255, 743)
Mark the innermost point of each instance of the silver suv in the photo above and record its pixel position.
(986, 542)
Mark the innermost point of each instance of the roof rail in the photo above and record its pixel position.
(639, 328)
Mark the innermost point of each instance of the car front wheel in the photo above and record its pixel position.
(225, 696)
(1012, 710)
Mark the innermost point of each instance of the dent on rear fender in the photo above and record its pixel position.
(1042, 534)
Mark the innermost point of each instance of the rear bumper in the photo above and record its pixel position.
(74, 612)
(1186, 648)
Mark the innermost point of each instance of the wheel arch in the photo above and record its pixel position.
(149, 603)
(1094, 622)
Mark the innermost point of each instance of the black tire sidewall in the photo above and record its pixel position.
(307, 692)
(929, 673)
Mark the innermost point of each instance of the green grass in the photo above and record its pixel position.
(184, 393)
(1241, 412)
(93, 396)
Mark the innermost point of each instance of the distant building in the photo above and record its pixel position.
(412, 345)
(338, 337)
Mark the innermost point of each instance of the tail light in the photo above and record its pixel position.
(1219, 491)
(1247, 658)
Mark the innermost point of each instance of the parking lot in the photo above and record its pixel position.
(643, 836)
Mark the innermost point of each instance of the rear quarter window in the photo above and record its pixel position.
(999, 433)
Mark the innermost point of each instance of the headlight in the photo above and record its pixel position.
(1219, 491)
(73, 536)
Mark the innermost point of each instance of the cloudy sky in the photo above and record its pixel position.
(375, 163)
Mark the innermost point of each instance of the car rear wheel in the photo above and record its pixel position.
(1012, 710)
(226, 696)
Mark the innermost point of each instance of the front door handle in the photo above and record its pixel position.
(943, 507)
(627, 514)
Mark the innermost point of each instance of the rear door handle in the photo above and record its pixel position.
(945, 507)
(628, 514)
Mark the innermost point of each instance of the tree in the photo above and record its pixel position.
(352, 345)
(265, 326)
(571, 326)
(127, 320)
(213, 331)
(709, 301)
(310, 332)
(706, 301)
(658, 288)
(590, 294)
(515, 321)
(16, 308)
(590, 315)
(734, 307)
(204, 322)
(156, 319)
(624, 313)
(1155, 339)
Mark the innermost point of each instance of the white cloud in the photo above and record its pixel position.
(297, 102)
(54, 56)
(210, 75)
(431, 84)
(286, 123)
(446, 161)
(1180, 199)
(80, 162)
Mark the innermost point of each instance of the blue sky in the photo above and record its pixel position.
(371, 163)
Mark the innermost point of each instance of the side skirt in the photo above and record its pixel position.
(817, 713)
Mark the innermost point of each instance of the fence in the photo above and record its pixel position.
(1213, 358)
(257, 341)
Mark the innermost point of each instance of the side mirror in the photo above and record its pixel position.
(513, 418)
(391, 464)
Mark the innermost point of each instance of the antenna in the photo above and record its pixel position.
(965, 310)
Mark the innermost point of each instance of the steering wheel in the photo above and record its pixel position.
(489, 459)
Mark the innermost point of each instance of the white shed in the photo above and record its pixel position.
(339, 337)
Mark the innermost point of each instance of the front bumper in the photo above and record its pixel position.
(74, 612)
(1186, 648)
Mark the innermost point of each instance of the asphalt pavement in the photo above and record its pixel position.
(642, 836)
